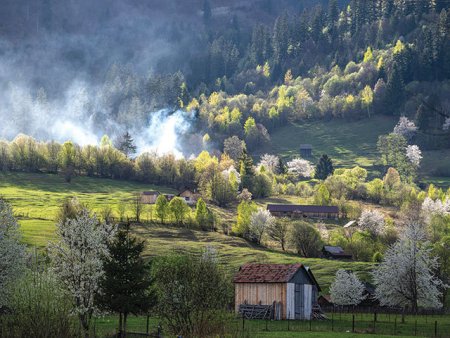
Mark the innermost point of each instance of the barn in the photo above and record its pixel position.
(306, 150)
(191, 197)
(289, 290)
(303, 211)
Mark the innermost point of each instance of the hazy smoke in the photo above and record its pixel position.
(53, 80)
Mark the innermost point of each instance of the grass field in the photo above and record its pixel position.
(36, 198)
(351, 143)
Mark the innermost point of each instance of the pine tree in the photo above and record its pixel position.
(246, 171)
(333, 13)
(126, 283)
(126, 144)
(395, 91)
(324, 168)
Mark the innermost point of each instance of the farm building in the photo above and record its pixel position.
(191, 197)
(303, 211)
(335, 252)
(288, 291)
(149, 197)
(306, 150)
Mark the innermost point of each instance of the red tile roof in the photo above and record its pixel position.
(266, 273)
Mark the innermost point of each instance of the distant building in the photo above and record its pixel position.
(324, 300)
(303, 211)
(288, 291)
(149, 197)
(335, 252)
(169, 197)
(191, 197)
(306, 150)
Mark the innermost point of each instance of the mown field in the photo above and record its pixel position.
(351, 143)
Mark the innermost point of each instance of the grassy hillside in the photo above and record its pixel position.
(351, 143)
(36, 198)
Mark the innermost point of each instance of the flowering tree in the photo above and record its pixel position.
(405, 127)
(414, 155)
(77, 260)
(270, 162)
(432, 208)
(346, 289)
(372, 221)
(406, 275)
(300, 167)
(260, 220)
(12, 253)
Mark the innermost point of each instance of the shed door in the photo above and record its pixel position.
(299, 301)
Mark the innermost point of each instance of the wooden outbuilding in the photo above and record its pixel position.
(304, 211)
(335, 252)
(289, 289)
(306, 150)
(149, 197)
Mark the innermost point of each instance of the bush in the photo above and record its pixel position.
(306, 239)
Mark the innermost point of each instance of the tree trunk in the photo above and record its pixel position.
(125, 315)
(120, 324)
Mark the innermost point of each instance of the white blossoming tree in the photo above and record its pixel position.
(406, 277)
(77, 260)
(12, 253)
(260, 220)
(414, 155)
(431, 208)
(405, 127)
(346, 289)
(270, 163)
(300, 167)
(372, 221)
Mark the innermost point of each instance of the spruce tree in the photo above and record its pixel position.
(126, 283)
(395, 91)
(246, 171)
(324, 168)
(126, 144)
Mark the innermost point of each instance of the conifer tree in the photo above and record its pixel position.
(126, 144)
(324, 168)
(126, 282)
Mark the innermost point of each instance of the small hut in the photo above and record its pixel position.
(304, 211)
(335, 252)
(306, 150)
(286, 291)
(191, 197)
(149, 197)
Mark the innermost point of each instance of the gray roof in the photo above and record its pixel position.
(150, 193)
(333, 249)
(302, 208)
(305, 146)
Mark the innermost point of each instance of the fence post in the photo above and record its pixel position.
(415, 328)
(374, 321)
(243, 322)
(310, 324)
(395, 326)
(435, 328)
(289, 315)
(267, 329)
(332, 321)
(353, 323)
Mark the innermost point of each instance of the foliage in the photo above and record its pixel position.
(77, 261)
(278, 231)
(193, 293)
(162, 207)
(372, 221)
(346, 289)
(244, 211)
(306, 239)
(260, 221)
(41, 306)
(414, 283)
(324, 168)
(203, 215)
(179, 209)
(322, 195)
(12, 252)
(125, 285)
(300, 168)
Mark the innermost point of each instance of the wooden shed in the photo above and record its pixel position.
(304, 211)
(191, 197)
(306, 150)
(335, 252)
(291, 289)
(149, 197)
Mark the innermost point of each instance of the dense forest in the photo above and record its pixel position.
(238, 74)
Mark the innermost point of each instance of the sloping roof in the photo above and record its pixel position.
(150, 193)
(305, 146)
(349, 224)
(266, 273)
(333, 249)
(302, 208)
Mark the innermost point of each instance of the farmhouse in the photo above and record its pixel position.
(303, 211)
(149, 197)
(289, 291)
(335, 252)
(191, 197)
